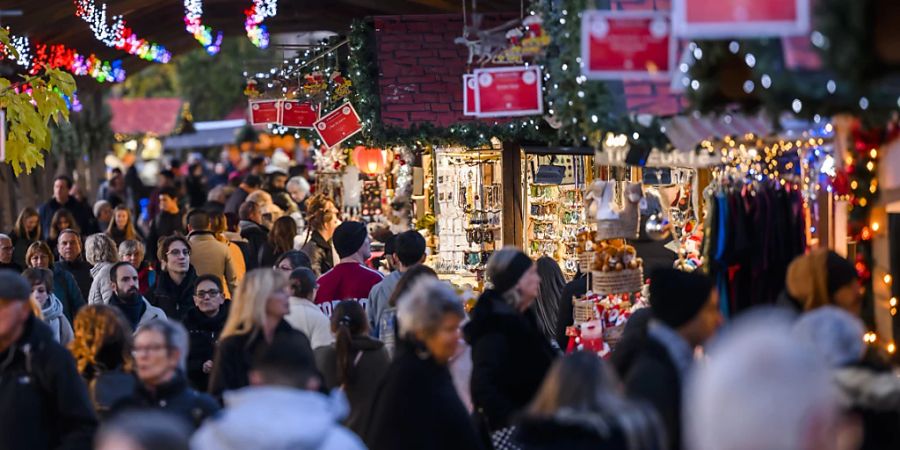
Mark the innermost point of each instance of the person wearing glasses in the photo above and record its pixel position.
(127, 296)
(65, 287)
(204, 323)
(174, 290)
(162, 385)
(6, 254)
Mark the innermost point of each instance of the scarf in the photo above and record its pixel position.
(52, 312)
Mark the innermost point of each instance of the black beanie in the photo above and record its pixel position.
(348, 238)
(676, 297)
(840, 272)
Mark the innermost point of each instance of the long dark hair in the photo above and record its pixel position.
(21, 232)
(281, 237)
(348, 320)
(408, 279)
(547, 305)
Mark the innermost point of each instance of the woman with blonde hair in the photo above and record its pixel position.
(62, 220)
(256, 317)
(121, 228)
(26, 232)
(101, 252)
(65, 288)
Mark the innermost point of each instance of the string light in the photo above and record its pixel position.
(260, 11)
(117, 35)
(870, 338)
(193, 15)
(891, 348)
(58, 56)
(876, 226)
(888, 279)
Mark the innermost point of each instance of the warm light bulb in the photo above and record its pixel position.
(893, 311)
(854, 184)
(893, 301)
(888, 279)
(891, 348)
(873, 153)
(876, 226)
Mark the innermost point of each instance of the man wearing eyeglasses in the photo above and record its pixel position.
(126, 296)
(6, 254)
(174, 290)
(204, 323)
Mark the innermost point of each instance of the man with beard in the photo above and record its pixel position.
(127, 297)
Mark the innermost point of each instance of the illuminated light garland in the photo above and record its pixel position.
(193, 14)
(116, 34)
(58, 56)
(260, 11)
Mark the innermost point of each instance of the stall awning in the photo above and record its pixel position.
(131, 116)
(685, 132)
(207, 134)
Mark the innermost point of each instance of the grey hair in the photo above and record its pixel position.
(786, 396)
(4, 236)
(174, 333)
(219, 194)
(422, 309)
(98, 248)
(836, 335)
(149, 429)
(498, 263)
(99, 205)
(300, 183)
(131, 245)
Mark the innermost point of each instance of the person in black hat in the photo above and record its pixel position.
(43, 401)
(684, 310)
(351, 279)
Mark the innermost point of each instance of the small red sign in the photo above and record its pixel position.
(632, 45)
(338, 125)
(740, 18)
(297, 114)
(264, 112)
(508, 91)
(469, 95)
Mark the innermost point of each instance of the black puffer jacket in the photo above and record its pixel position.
(174, 299)
(509, 359)
(178, 398)
(203, 332)
(43, 401)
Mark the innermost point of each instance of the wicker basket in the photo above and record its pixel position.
(583, 310)
(618, 282)
(625, 227)
(586, 261)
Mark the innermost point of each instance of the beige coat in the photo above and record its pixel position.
(211, 257)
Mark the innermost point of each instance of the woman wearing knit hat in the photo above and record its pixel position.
(819, 278)
(510, 356)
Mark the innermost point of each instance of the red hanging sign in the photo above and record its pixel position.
(740, 18)
(508, 91)
(338, 125)
(297, 114)
(263, 112)
(632, 45)
(469, 95)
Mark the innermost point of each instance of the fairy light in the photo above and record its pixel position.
(870, 338)
(893, 302)
(259, 12)
(116, 33)
(193, 23)
(891, 348)
(57, 56)
(875, 226)
(888, 279)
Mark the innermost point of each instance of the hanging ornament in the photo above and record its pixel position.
(58, 56)
(657, 227)
(117, 35)
(260, 11)
(250, 90)
(341, 86)
(193, 14)
(369, 160)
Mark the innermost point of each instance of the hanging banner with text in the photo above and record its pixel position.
(297, 114)
(469, 95)
(338, 125)
(626, 45)
(263, 112)
(740, 18)
(508, 92)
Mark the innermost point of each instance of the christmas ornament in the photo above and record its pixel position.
(369, 160)
(341, 86)
(193, 13)
(117, 35)
(260, 11)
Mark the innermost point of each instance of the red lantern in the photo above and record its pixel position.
(370, 161)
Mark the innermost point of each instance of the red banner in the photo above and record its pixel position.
(264, 112)
(297, 114)
(630, 45)
(740, 18)
(508, 91)
(469, 95)
(338, 125)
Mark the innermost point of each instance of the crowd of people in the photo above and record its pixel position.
(248, 315)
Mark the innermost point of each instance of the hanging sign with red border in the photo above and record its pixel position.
(626, 45)
(263, 112)
(508, 91)
(740, 18)
(338, 125)
(469, 95)
(299, 114)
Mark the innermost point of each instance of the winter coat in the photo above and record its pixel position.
(369, 361)
(137, 314)
(378, 300)
(510, 357)
(267, 255)
(174, 299)
(66, 290)
(20, 248)
(256, 235)
(320, 253)
(234, 356)
(56, 320)
(81, 271)
(276, 418)
(203, 332)
(164, 225)
(416, 407)
(565, 317)
(43, 401)
(585, 431)
(307, 318)
(240, 253)
(101, 287)
(211, 257)
(233, 204)
(146, 277)
(875, 396)
(83, 214)
(653, 377)
(177, 398)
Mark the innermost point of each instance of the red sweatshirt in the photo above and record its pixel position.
(346, 281)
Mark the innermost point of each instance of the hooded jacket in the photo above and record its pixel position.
(56, 320)
(42, 397)
(277, 418)
(174, 299)
(101, 287)
(510, 357)
(203, 332)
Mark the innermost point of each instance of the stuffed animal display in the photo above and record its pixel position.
(615, 255)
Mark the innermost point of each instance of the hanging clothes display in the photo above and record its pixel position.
(753, 230)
